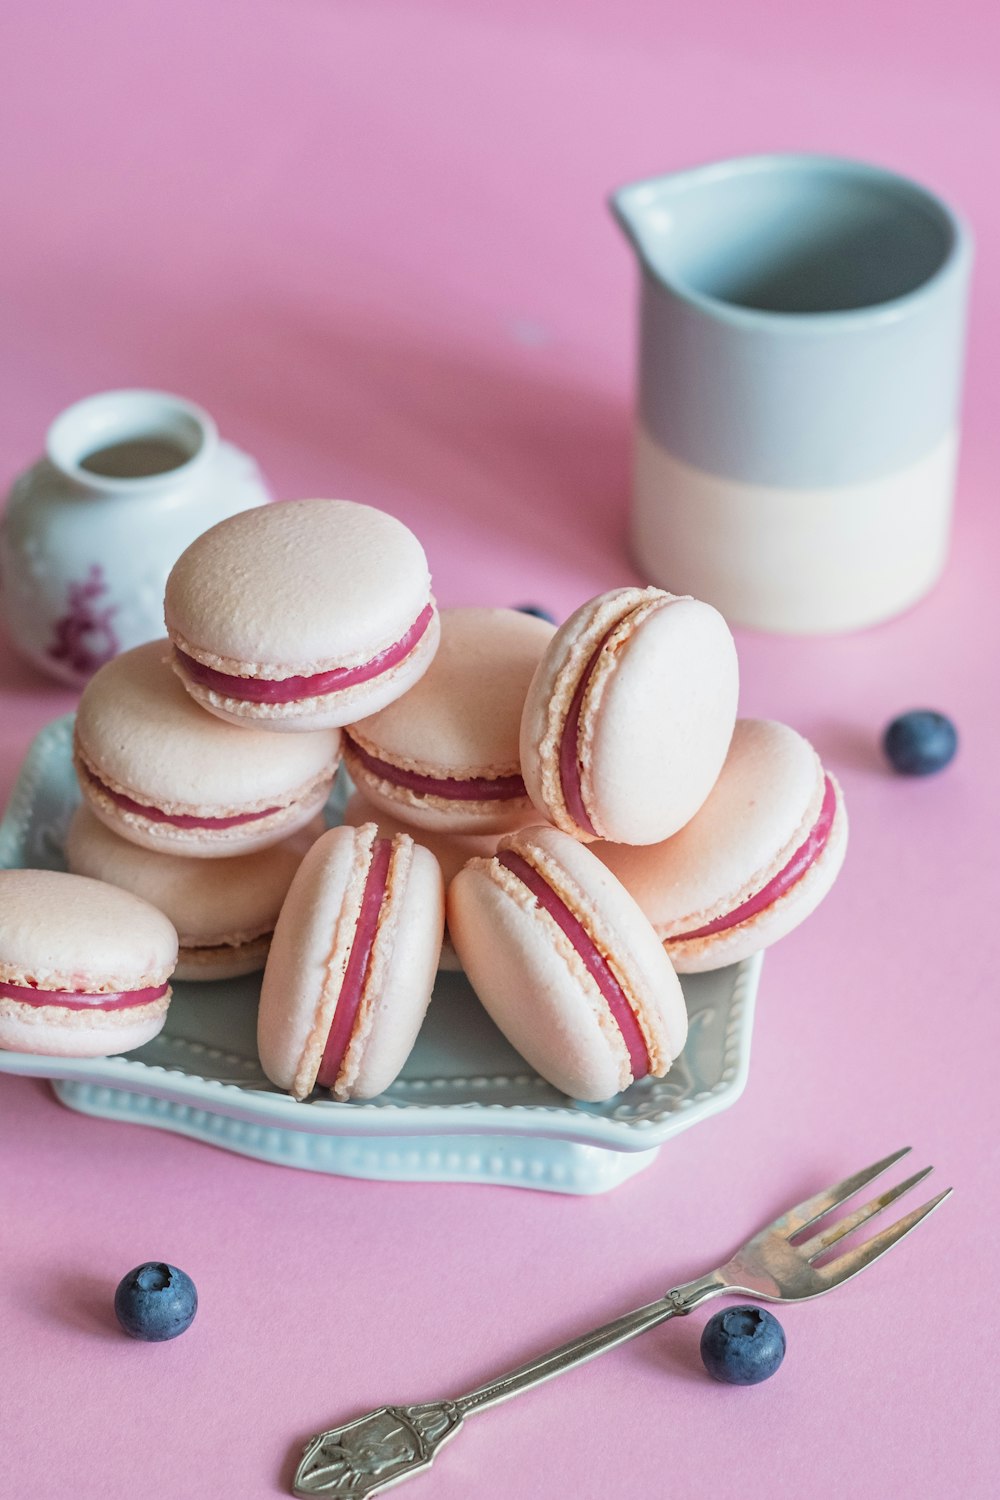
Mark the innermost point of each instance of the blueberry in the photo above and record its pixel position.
(920, 742)
(742, 1345)
(155, 1302)
(538, 612)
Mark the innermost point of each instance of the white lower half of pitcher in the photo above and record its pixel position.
(798, 561)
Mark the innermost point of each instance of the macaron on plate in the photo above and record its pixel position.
(465, 1107)
(303, 615)
(141, 744)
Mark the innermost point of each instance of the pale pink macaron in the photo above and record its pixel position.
(84, 967)
(160, 772)
(446, 756)
(352, 964)
(567, 965)
(629, 717)
(752, 863)
(451, 850)
(304, 615)
(224, 910)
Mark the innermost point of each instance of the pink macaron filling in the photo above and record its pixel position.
(176, 820)
(28, 994)
(595, 962)
(569, 745)
(806, 855)
(358, 964)
(293, 689)
(453, 788)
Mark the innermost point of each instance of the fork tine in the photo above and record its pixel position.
(853, 1261)
(803, 1214)
(821, 1242)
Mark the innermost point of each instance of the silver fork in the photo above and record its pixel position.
(363, 1457)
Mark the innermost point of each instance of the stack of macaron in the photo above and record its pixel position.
(573, 816)
(307, 615)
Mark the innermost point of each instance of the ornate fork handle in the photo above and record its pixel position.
(362, 1457)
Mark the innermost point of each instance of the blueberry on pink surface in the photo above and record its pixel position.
(742, 1345)
(155, 1302)
(920, 742)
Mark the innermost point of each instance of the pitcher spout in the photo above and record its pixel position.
(645, 212)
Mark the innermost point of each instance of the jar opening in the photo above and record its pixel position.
(135, 458)
(128, 436)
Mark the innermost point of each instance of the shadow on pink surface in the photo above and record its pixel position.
(76, 1300)
(849, 745)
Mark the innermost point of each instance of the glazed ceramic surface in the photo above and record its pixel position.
(85, 551)
(465, 1108)
(802, 330)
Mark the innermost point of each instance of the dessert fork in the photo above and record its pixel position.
(363, 1457)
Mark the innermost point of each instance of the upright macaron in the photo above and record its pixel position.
(566, 964)
(303, 615)
(753, 862)
(446, 756)
(224, 910)
(84, 967)
(629, 716)
(160, 772)
(352, 964)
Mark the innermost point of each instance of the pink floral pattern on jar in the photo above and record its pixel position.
(85, 637)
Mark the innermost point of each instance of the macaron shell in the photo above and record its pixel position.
(326, 711)
(45, 1031)
(140, 733)
(760, 812)
(202, 843)
(656, 717)
(697, 955)
(766, 799)
(60, 931)
(462, 720)
(296, 588)
(536, 987)
(618, 926)
(228, 961)
(312, 937)
(215, 905)
(536, 992)
(312, 942)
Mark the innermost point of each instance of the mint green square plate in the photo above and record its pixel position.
(465, 1109)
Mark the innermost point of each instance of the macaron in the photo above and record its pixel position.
(299, 616)
(224, 910)
(451, 850)
(352, 964)
(446, 756)
(629, 716)
(158, 771)
(753, 862)
(566, 964)
(84, 967)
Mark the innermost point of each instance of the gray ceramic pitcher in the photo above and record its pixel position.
(801, 345)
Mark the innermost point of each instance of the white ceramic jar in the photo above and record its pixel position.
(128, 479)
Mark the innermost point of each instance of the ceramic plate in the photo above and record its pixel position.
(465, 1109)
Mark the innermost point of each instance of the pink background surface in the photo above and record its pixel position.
(372, 241)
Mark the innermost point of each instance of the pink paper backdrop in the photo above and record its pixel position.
(372, 240)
